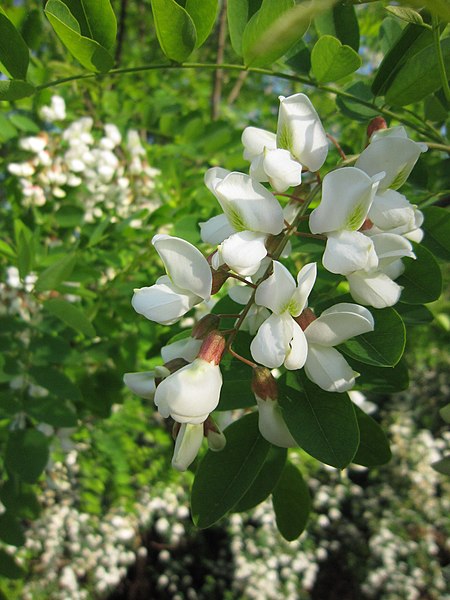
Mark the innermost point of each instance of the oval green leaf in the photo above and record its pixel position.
(15, 90)
(70, 315)
(88, 52)
(322, 423)
(27, 454)
(437, 231)
(382, 347)
(422, 279)
(175, 29)
(340, 22)
(96, 20)
(11, 530)
(291, 503)
(236, 389)
(374, 449)
(203, 13)
(331, 61)
(14, 54)
(224, 477)
(56, 273)
(383, 380)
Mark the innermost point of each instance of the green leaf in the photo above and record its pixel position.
(437, 231)
(291, 503)
(236, 389)
(443, 465)
(88, 52)
(422, 279)
(70, 315)
(405, 14)
(56, 273)
(445, 413)
(238, 14)
(19, 499)
(382, 347)
(24, 245)
(11, 531)
(14, 54)
(56, 382)
(419, 76)
(6, 249)
(9, 568)
(340, 22)
(322, 423)
(224, 477)
(15, 90)
(51, 410)
(24, 123)
(331, 61)
(414, 314)
(265, 481)
(97, 234)
(175, 29)
(383, 380)
(373, 447)
(410, 41)
(96, 20)
(257, 30)
(203, 13)
(27, 453)
(352, 108)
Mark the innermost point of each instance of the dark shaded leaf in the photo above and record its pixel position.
(291, 503)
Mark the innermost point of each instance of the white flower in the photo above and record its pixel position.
(347, 195)
(271, 424)
(55, 112)
(280, 339)
(300, 141)
(187, 444)
(188, 282)
(251, 213)
(191, 393)
(142, 384)
(324, 365)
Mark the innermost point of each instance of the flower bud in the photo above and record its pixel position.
(213, 347)
(264, 385)
(207, 324)
(188, 442)
(375, 125)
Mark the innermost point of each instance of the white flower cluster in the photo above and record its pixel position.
(95, 167)
(366, 223)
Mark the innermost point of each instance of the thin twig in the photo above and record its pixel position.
(241, 358)
(336, 143)
(232, 97)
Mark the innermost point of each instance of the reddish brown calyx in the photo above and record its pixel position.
(207, 324)
(375, 125)
(212, 347)
(306, 318)
(263, 384)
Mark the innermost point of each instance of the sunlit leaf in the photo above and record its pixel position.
(331, 61)
(203, 13)
(175, 29)
(15, 89)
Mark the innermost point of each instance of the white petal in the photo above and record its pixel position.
(396, 156)
(255, 140)
(347, 195)
(187, 348)
(187, 445)
(142, 384)
(282, 170)
(375, 289)
(339, 323)
(276, 291)
(163, 302)
(255, 318)
(214, 176)
(416, 235)
(257, 169)
(327, 368)
(248, 205)
(390, 247)
(185, 265)
(349, 251)
(296, 355)
(243, 252)
(391, 209)
(271, 424)
(240, 293)
(271, 344)
(300, 131)
(394, 269)
(305, 280)
(215, 230)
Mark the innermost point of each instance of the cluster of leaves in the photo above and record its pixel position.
(78, 350)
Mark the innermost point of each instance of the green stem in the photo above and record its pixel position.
(427, 131)
(441, 65)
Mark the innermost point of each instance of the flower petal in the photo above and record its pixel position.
(248, 205)
(188, 442)
(185, 265)
(276, 291)
(142, 384)
(300, 131)
(271, 424)
(283, 172)
(375, 289)
(390, 247)
(347, 194)
(339, 323)
(215, 230)
(255, 140)
(243, 252)
(391, 209)
(298, 351)
(271, 344)
(163, 302)
(214, 176)
(396, 156)
(349, 251)
(327, 368)
(187, 348)
(305, 280)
